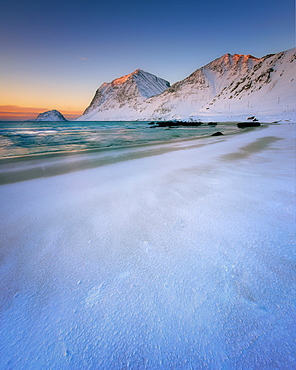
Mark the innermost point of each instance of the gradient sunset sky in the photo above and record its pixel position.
(55, 54)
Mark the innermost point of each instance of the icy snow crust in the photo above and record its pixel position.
(230, 88)
(183, 260)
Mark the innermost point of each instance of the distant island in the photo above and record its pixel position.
(51, 115)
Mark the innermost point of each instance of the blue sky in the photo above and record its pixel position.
(55, 54)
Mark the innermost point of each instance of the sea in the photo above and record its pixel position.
(30, 138)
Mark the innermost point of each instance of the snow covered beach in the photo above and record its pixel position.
(184, 259)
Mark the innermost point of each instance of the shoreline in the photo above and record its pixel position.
(15, 169)
(110, 147)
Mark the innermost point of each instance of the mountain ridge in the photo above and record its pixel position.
(229, 86)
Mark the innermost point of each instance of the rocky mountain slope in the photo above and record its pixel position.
(126, 94)
(230, 87)
(51, 115)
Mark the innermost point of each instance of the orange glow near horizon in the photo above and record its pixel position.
(19, 113)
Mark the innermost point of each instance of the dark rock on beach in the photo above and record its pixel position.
(248, 124)
(218, 133)
(174, 123)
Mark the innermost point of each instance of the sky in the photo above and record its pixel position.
(55, 54)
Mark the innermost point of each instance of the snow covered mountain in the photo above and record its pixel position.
(51, 115)
(231, 87)
(125, 95)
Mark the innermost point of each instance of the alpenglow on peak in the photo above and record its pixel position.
(231, 87)
(133, 87)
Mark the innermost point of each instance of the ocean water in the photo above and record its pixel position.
(20, 139)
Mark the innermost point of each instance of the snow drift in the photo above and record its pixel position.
(183, 260)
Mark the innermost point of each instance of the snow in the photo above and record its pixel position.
(184, 259)
(134, 87)
(229, 87)
(51, 115)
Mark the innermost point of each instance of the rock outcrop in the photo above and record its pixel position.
(51, 115)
